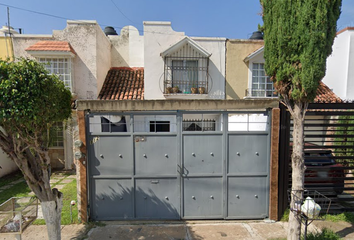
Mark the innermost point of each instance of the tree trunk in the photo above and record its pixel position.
(298, 169)
(52, 215)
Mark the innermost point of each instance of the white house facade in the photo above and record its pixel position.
(340, 72)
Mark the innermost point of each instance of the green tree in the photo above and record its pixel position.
(298, 37)
(31, 100)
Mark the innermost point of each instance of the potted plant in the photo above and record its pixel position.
(194, 89)
(202, 90)
(168, 90)
(175, 89)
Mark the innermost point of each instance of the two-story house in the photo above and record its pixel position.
(339, 71)
(173, 146)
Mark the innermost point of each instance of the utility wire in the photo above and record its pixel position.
(121, 12)
(102, 25)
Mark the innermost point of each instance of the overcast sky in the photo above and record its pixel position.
(202, 18)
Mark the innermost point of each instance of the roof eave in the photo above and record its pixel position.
(177, 45)
(51, 53)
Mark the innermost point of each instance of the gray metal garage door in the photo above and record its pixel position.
(181, 165)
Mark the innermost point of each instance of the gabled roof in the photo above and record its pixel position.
(123, 83)
(326, 95)
(51, 46)
(254, 54)
(183, 42)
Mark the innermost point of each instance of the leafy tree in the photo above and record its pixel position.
(298, 36)
(31, 100)
(345, 144)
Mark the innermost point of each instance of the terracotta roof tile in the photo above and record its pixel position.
(326, 95)
(123, 84)
(56, 46)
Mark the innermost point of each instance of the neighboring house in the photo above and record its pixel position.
(80, 55)
(6, 46)
(340, 72)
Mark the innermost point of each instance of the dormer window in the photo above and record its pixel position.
(262, 86)
(57, 57)
(259, 84)
(185, 68)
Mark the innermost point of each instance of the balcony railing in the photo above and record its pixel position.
(261, 93)
(186, 75)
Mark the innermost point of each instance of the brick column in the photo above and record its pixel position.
(274, 165)
(82, 169)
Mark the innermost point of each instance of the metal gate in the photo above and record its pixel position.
(178, 165)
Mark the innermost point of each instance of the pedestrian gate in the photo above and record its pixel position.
(178, 165)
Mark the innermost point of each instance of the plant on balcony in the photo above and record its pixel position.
(168, 90)
(175, 89)
(201, 90)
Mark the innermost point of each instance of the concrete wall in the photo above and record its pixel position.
(23, 41)
(93, 56)
(127, 48)
(340, 73)
(7, 165)
(236, 69)
(159, 36)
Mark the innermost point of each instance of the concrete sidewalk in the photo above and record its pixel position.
(181, 230)
(191, 230)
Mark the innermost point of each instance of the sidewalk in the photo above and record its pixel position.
(182, 230)
(173, 230)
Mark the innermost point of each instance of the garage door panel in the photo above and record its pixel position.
(157, 198)
(247, 197)
(111, 155)
(156, 155)
(202, 154)
(248, 154)
(113, 199)
(203, 197)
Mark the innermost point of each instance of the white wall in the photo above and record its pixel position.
(339, 74)
(350, 80)
(93, 56)
(159, 36)
(127, 48)
(7, 165)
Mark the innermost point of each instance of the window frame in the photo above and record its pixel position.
(66, 75)
(267, 82)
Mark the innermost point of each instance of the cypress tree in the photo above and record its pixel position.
(298, 38)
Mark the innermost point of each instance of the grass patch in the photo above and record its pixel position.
(285, 216)
(19, 190)
(326, 234)
(10, 178)
(69, 194)
(346, 217)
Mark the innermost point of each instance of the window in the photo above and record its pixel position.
(262, 86)
(185, 74)
(159, 126)
(56, 135)
(202, 122)
(61, 67)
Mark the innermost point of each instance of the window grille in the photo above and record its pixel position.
(199, 125)
(57, 135)
(262, 86)
(60, 67)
